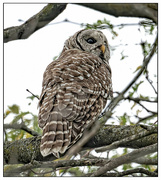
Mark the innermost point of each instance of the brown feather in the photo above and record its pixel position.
(75, 90)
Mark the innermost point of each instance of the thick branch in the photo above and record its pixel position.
(26, 150)
(47, 14)
(147, 161)
(126, 140)
(143, 10)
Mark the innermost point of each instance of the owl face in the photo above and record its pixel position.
(90, 40)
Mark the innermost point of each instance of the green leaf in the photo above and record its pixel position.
(7, 112)
(135, 87)
(19, 116)
(55, 57)
(133, 105)
(35, 124)
(32, 97)
(138, 111)
(123, 119)
(131, 93)
(144, 97)
(103, 24)
(126, 166)
(14, 109)
(139, 67)
(123, 56)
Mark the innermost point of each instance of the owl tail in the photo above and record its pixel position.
(56, 135)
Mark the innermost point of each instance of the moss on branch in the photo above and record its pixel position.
(27, 150)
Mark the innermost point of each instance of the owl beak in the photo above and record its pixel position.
(102, 47)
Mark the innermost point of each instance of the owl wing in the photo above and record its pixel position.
(75, 91)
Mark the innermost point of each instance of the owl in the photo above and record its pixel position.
(75, 90)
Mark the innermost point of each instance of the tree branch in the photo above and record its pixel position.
(130, 172)
(148, 110)
(114, 163)
(145, 118)
(143, 10)
(140, 99)
(147, 161)
(54, 165)
(126, 140)
(144, 65)
(47, 14)
(21, 126)
(27, 150)
(150, 82)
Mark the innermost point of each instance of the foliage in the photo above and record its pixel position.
(19, 117)
(103, 24)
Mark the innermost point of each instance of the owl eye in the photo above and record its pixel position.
(91, 40)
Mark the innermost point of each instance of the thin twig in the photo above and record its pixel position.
(141, 23)
(21, 126)
(145, 63)
(32, 93)
(153, 112)
(145, 118)
(132, 171)
(140, 99)
(125, 159)
(150, 82)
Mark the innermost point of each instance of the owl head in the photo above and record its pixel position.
(89, 40)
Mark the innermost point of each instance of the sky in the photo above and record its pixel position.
(26, 60)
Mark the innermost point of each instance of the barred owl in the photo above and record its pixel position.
(75, 90)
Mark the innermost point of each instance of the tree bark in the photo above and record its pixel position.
(47, 14)
(27, 150)
(142, 10)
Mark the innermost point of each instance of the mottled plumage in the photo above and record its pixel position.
(75, 90)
